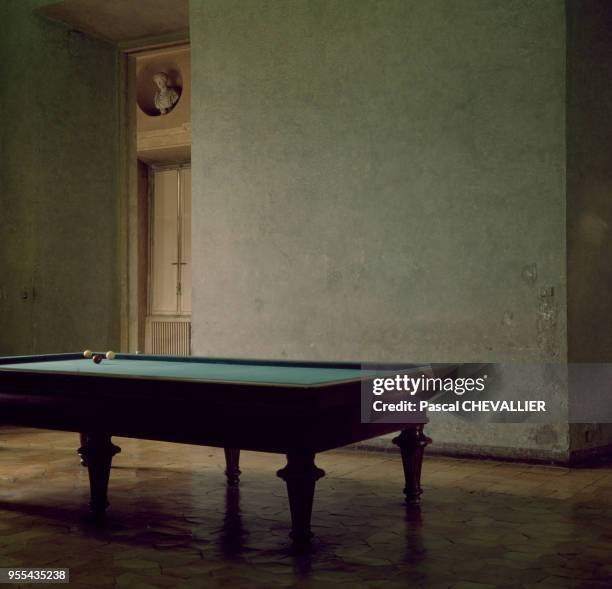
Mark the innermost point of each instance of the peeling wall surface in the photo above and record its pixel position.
(382, 180)
(59, 210)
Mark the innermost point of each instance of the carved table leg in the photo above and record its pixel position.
(412, 442)
(98, 451)
(83, 439)
(232, 460)
(300, 475)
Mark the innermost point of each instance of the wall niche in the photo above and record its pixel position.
(163, 102)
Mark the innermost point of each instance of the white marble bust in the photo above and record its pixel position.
(166, 96)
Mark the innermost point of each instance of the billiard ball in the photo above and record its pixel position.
(110, 355)
(87, 354)
(97, 358)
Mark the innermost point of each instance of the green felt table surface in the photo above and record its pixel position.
(283, 373)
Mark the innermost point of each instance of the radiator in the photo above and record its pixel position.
(171, 338)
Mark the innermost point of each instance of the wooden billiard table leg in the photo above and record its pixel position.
(98, 452)
(82, 439)
(412, 442)
(300, 475)
(232, 460)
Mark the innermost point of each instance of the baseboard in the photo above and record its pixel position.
(591, 456)
(525, 455)
(575, 459)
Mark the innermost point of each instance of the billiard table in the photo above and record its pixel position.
(291, 408)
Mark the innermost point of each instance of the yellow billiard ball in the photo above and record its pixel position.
(110, 355)
(87, 354)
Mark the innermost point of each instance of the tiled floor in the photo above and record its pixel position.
(173, 522)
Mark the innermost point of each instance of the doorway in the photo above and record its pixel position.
(159, 213)
(168, 320)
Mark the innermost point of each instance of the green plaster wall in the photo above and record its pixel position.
(59, 211)
(372, 179)
(589, 201)
(589, 198)
(382, 180)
